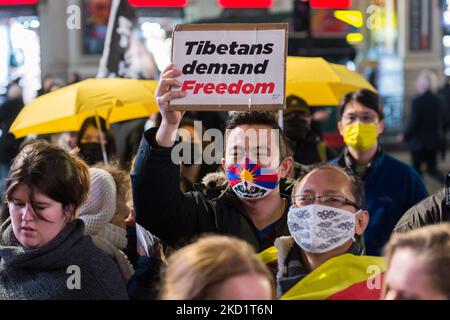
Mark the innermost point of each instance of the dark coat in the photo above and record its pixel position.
(424, 131)
(311, 150)
(9, 145)
(432, 210)
(128, 136)
(177, 217)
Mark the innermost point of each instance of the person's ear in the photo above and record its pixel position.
(362, 220)
(69, 212)
(286, 166)
(223, 163)
(340, 128)
(380, 127)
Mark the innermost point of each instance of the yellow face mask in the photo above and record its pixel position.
(360, 136)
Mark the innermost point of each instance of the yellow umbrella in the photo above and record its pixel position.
(321, 83)
(113, 99)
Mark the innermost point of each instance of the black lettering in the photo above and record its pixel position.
(201, 68)
(209, 48)
(216, 67)
(261, 68)
(200, 47)
(247, 66)
(190, 45)
(268, 48)
(189, 68)
(234, 68)
(233, 47)
(222, 49)
(257, 47)
(243, 49)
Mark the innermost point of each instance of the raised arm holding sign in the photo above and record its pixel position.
(253, 207)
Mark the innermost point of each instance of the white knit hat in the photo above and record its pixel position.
(100, 206)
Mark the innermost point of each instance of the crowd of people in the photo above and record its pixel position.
(106, 213)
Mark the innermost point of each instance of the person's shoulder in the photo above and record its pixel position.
(401, 170)
(94, 258)
(429, 203)
(398, 165)
(106, 281)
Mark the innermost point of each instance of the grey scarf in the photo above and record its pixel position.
(43, 273)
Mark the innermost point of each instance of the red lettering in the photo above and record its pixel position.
(264, 86)
(208, 88)
(235, 88)
(248, 88)
(188, 85)
(198, 86)
(221, 87)
(238, 87)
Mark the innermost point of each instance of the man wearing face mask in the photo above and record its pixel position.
(306, 144)
(323, 257)
(254, 205)
(391, 186)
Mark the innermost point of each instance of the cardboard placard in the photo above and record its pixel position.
(231, 67)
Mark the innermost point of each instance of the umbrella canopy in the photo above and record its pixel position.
(113, 99)
(321, 83)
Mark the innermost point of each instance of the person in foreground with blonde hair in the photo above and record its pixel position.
(217, 268)
(417, 264)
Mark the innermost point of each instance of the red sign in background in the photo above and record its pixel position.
(245, 3)
(330, 4)
(158, 3)
(17, 2)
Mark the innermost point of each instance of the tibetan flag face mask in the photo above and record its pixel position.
(249, 181)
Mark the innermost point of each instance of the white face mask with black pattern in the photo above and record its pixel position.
(318, 229)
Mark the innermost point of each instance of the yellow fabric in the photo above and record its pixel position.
(322, 150)
(269, 255)
(360, 136)
(321, 83)
(334, 276)
(65, 109)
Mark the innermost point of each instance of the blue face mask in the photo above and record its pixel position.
(249, 181)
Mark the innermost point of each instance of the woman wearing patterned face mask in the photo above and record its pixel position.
(322, 258)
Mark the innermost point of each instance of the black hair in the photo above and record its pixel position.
(367, 98)
(264, 118)
(356, 184)
(111, 149)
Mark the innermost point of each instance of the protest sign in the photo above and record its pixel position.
(231, 66)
